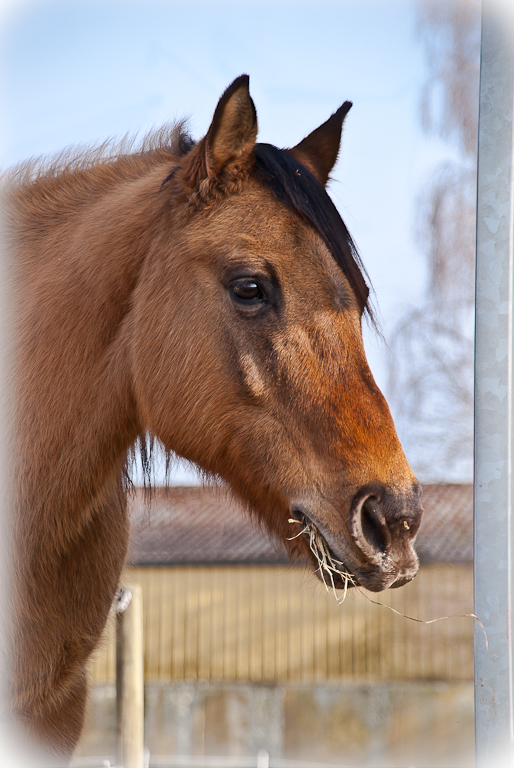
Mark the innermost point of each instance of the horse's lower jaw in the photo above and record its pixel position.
(371, 578)
(377, 582)
(342, 578)
(327, 566)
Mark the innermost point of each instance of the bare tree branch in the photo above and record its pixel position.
(431, 373)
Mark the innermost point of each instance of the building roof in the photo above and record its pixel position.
(203, 525)
(446, 533)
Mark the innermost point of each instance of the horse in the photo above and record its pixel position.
(206, 293)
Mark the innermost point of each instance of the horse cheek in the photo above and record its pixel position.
(177, 376)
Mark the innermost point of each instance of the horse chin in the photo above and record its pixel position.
(341, 582)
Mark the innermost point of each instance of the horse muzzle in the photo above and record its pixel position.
(373, 543)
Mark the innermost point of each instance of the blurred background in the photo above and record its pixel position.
(244, 653)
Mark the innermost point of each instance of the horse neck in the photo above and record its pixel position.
(76, 412)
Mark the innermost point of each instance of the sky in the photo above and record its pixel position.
(81, 72)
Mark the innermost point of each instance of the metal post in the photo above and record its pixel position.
(494, 397)
(129, 678)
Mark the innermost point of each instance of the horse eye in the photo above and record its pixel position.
(247, 291)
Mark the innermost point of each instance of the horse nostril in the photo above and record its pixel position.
(373, 526)
(369, 526)
(383, 524)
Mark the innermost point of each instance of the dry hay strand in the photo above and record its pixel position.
(328, 565)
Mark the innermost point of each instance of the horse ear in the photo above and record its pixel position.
(233, 131)
(319, 150)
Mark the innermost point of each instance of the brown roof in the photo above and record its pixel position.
(446, 533)
(197, 525)
(205, 525)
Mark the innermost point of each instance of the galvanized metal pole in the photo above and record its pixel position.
(494, 396)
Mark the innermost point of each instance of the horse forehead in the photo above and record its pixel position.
(257, 217)
(291, 246)
(255, 223)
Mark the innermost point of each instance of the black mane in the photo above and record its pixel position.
(293, 184)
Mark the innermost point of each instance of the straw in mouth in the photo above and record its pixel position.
(328, 565)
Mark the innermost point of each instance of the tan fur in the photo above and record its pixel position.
(125, 324)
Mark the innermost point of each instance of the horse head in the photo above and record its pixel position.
(248, 356)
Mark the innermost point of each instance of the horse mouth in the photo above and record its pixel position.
(395, 567)
(326, 565)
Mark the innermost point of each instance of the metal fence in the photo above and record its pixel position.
(276, 624)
